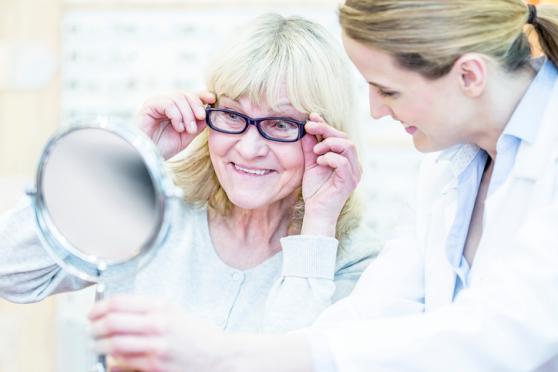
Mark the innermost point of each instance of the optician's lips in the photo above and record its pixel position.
(251, 170)
(411, 130)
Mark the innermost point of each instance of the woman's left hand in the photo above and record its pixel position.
(146, 335)
(332, 172)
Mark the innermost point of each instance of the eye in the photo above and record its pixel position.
(386, 93)
(232, 116)
(279, 124)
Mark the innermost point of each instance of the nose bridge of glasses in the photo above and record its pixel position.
(256, 123)
(251, 121)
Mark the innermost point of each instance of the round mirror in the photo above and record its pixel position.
(102, 198)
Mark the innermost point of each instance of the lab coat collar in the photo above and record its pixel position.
(458, 157)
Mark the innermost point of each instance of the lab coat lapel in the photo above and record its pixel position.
(530, 185)
(439, 275)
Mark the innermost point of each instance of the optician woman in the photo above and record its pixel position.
(475, 287)
(266, 239)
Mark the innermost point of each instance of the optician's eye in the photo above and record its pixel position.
(386, 93)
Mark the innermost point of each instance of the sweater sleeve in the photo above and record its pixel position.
(27, 272)
(314, 275)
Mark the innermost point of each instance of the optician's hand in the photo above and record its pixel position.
(172, 122)
(147, 335)
(332, 172)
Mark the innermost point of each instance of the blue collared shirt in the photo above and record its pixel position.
(468, 163)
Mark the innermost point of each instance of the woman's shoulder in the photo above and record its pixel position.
(186, 215)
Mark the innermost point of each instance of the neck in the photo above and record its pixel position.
(266, 224)
(252, 230)
(502, 97)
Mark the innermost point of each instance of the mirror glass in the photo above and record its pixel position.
(99, 196)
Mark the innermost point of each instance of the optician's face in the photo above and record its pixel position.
(432, 111)
(256, 172)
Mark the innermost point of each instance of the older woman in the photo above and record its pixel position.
(263, 241)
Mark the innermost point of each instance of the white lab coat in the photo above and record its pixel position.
(402, 316)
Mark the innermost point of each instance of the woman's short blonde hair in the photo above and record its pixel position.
(275, 50)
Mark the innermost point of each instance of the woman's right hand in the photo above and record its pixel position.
(172, 122)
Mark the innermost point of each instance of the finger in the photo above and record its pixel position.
(125, 303)
(152, 114)
(186, 112)
(172, 112)
(337, 145)
(115, 323)
(207, 98)
(314, 116)
(198, 109)
(164, 107)
(320, 128)
(340, 165)
(340, 146)
(139, 363)
(123, 346)
(308, 142)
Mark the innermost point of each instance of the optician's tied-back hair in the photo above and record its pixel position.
(272, 53)
(428, 36)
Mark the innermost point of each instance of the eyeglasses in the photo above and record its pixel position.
(277, 129)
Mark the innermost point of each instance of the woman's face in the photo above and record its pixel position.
(434, 112)
(253, 171)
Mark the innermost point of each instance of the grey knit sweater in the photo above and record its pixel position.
(287, 291)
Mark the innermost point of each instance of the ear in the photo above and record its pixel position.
(471, 69)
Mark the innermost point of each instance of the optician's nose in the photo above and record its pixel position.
(378, 109)
(251, 144)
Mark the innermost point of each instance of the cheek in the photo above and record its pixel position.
(290, 157)
(218, 144)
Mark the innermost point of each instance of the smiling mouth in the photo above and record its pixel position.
(251, 171)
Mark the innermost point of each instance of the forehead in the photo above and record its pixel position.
(378, 66)
(245, 103)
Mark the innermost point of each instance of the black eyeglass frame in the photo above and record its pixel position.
(255, 121)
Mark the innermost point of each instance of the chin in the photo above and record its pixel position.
(424, 145)
(247, 201)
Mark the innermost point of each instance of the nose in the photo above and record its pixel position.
(251, 144)
(378, 109)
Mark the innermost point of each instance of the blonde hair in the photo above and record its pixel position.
(429, 36)
(273, 51)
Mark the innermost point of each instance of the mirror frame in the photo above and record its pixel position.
(90, 268)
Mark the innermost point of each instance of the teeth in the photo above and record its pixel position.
(259, 172)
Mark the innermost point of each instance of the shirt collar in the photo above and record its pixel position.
(527, 116)
(525, 120)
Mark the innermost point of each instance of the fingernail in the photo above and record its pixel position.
(173, 111)
(181, 127)
(201, 113)
(193, 127)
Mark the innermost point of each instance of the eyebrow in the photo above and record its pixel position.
(273, 112)
(378, 85)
